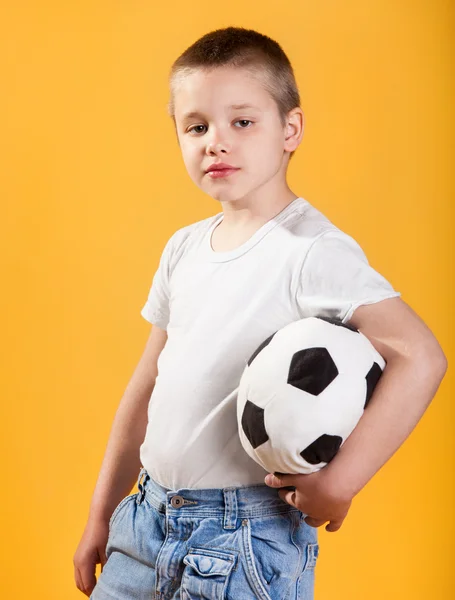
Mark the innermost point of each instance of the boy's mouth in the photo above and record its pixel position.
(217, 173)
(220, 166)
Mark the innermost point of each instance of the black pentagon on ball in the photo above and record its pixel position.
(372, 378)
(338, 322)
(253, 424)
(260, 347)
(322, 450)
(312, 370)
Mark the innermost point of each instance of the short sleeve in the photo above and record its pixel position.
(335, 278)
(156, 308)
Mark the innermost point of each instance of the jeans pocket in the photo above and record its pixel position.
(206, 573)
(273, 560)
(119, 507)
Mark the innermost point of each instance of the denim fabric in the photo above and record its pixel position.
(238, 543)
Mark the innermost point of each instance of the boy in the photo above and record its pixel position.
(204, 523)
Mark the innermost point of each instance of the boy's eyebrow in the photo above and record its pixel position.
(192, 115)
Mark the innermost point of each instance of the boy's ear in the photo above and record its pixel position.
(294, 128)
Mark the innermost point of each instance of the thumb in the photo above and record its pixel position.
(279, 479)
(103, 558)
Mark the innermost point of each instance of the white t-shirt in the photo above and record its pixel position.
(217, 308)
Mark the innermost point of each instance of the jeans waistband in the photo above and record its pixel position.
(231, 503)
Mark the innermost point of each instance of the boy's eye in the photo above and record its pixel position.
(194, 128)
(239, 121)
(244, 121)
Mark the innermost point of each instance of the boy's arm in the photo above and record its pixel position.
(416, 365)
(121, 463)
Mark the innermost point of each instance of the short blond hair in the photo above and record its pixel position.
(240, 48)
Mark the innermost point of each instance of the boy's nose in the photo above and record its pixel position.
(217, 147)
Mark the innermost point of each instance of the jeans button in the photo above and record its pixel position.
(177, 501)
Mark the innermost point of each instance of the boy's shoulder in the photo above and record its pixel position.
(312, 224)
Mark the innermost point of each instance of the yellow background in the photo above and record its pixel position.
(93, 185)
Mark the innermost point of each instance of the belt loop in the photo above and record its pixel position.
(230, 508)
(141, 492)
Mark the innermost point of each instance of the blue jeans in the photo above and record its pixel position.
(238, 543)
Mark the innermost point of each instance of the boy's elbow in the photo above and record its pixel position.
(436, 358)
(428, 356)
(444, 364)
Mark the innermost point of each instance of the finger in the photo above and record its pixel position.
(79, 583)
(78, 579)
(279, 479)
(334, 525)
(88, 581)
(103, 558)
(312, 522)
(288, 496)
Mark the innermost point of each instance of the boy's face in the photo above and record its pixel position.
(250, 139)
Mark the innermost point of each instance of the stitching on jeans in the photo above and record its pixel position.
(251, 563)
(294, 525)
(119, 507)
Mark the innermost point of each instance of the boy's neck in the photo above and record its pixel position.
(239, 214)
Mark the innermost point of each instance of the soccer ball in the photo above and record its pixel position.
(303, 392)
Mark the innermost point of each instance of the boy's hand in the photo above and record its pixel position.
(90, 552)
(314, 496)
